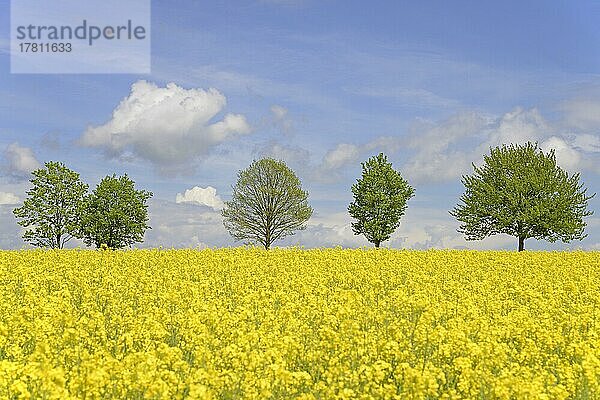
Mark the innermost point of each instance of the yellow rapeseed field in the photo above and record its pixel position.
(326, 324)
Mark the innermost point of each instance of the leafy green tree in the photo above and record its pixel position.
(522, 192)
(380, 197)
(51, 212)
(267, 204)
(115, 214)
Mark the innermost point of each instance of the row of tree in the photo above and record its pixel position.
(519, 190)
(59, 208)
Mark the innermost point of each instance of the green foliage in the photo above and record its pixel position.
(520, 191)
(380, 197)
(115, 214)
(267, 204)
(51, 211)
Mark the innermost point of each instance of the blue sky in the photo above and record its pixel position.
(322, 85)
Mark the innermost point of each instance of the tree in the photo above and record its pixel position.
(522, 192)
(267, 204)
(115, 214)
(51, 212)
(380, 197)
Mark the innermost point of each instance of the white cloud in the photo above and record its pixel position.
(387, 144)
(19, 161)
(582, 113)
(7, 198)
(335, 160)
(574, 151)
(587, 142)
(295, 157)
(341, 155)
(420, 228)
(566, 155)
(436, 167)
(424, 228)
(278, 111)
(344, 155)
(444, 151)
(281, 119)
(184, 225)
(249, 85)
(436, 137)
(168, 126)
(326, 230)
(517, 126)
(301, 161)
(438, 148)
(201, 196)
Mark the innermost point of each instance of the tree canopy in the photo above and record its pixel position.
(380, 198)
(267, 204)
(51, 212)
(115, 213)
(521, 191)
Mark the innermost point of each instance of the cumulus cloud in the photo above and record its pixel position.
(335, 160)
(566, 155)
(167, 126)
(517, 126)
(574, 150)
(7, 198)
(424, 228)
(420, 228)
(201, 196)
(281, 119)
(341, 155)
(444, 151)
(436, 151)
(19, 161)
(582, 113)
(279, 112)
(295, 157)
(437, 148)
(326, 230)
(587, 142)
(184, 225)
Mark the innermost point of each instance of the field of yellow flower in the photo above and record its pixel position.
(246, 323)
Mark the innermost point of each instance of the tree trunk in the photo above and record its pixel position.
(377, 244)
(267, 245)
(521, 243)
